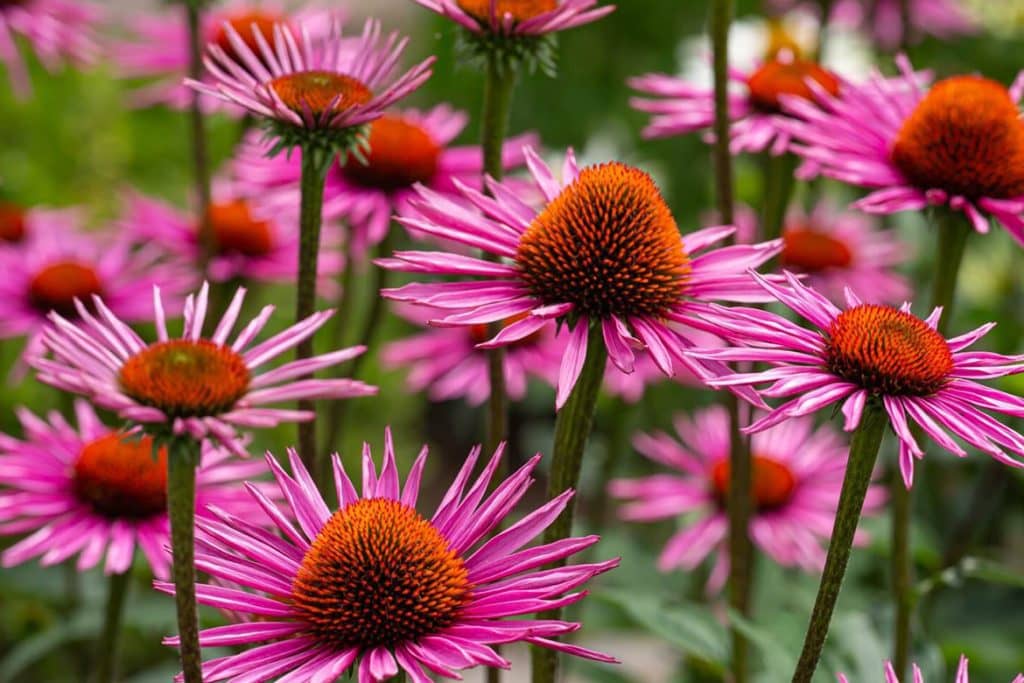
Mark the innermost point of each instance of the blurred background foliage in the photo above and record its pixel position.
(76, 142)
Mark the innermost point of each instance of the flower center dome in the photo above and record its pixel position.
(964, 137)
(401, 153)
(245, 21)
(788, 77)
(808, 250)
(119, 477)
(521, 10)
(186, 378)
(320, 91)
(12, 223)
(378, 575)
(771, 482)
(56, 286)
(608, 244)
(887, 352)
(235, 230)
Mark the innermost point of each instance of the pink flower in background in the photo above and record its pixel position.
(679, 107)
(405, 147)
(519, 17)
(159, 46)
(18, 224)
(199, 385)
(883, 20)
(961, 674)
(837, 249)
(330, 83)
(376, 588)
(250, 242)
(796, 477)
(446, 363)
(870, 352)
(57, 265)
(56, 30)
(603, 255)
(958, 144)
(94, 491)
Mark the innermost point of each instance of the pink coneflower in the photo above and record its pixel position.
(56, 266)
(961, 674)
(796, 476)
(631, 387)
(312, 85)
(958, 144)
(446, 363)
(603, 256)
(249, 241)
(378, 588)
(57, 30)
(196, 385)
(93, 491)
(837, 249)
(160, 45)
(883, 19)
(870, 352)
(19, 224)
(405, 147)
(519, 17)
(754, 107)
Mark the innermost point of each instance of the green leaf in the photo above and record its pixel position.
(81, 626)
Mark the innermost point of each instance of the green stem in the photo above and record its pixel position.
(200, 154)
(499, 83)
(314, 171)
(863, 454)
(572, 430)
(181, 508)
(777, 188)
(110, 639)
(953, 230)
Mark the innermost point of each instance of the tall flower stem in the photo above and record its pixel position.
(777, 190)
(111, 636)
(499, 81)
(863, 454)
(314, 173)
(739, 454)
(572, 430)
(951, 231)
(183, 458)
(200, 155)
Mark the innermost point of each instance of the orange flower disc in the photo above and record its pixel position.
(119, 477)
(772, 482)
(887, 352)
(964, 137)
(185, 378)
(377, 575)
(12, 223)
(608, 244)
(808, 250)
(777, 78)
(56, 286)
(244, 22)
(320, 91)
(521, 10)
(235, 230)
(401, 153)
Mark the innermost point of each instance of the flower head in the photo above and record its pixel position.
(159, 46)
(959, 144)
(56, 268)
(754, 108)
(20, 224)
(196, 385)
(797, 472)
(377, 587)
(870, 352)
(961, 674)
(93, 491)
(519, 17)
(57, 30)
(603, 255)
(403, 148)
(300, 86)
(250, 242)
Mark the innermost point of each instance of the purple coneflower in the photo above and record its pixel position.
(377, 588)
(519, 17)
(56, 30)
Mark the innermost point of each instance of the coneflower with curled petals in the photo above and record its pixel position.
(376, 588)
(57, 30)
(961, 674)
(878, 354)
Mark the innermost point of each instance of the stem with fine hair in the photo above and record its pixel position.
(182, 460)
(777, 189)
(499, 81)
(111, 636)
(200, 155)
(952, 231)
(572, 430)
(314, 173)
(863, 454)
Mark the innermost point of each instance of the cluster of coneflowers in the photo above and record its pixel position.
(579, 275)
